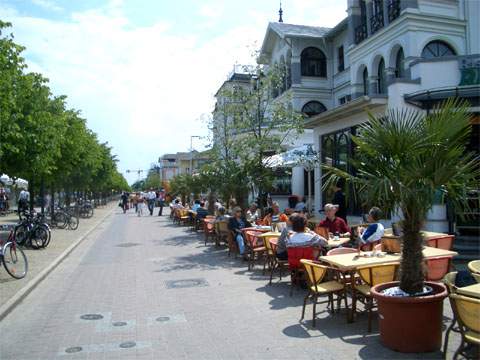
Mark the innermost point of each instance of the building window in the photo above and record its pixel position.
(313, 62)
(341, 60)
(344, 99)
(381, 83)
(365, 81)
(313, 108)
(399, 64)
(436, 49)
(376, 20)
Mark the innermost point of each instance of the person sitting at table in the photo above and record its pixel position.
(374, 232)
(236, 223)
(202, 212)
(301, 206)
(333, 223)
(253, 213)
(299, 236)
(221, 214)
(196, 205)
(177, 204)
(275, 216)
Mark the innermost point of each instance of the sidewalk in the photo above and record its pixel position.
(40, 260)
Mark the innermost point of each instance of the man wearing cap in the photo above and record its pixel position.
(334, 223)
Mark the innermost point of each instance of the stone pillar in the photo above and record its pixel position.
(296, 70)
(372, 85)
(298, 181)
(354, 20)
(390, 75)
(369, 10)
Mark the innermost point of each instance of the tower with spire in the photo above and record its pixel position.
(280, 13)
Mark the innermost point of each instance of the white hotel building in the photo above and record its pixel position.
(384, 54)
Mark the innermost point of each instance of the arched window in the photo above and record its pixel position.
(365, 81)
(313, 108)
(436, 49)
(399, 64)
(381, 84)
(313, 62)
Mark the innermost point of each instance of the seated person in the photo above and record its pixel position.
(301, 206)
(334, 223)
(236, 223)
(374, 232)
(176, 204)
(202, 212)
(253, 213)
(300, 235)
(221, 214)
(196, 205)
(275, 216)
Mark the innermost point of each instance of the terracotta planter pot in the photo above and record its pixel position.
(411, 324)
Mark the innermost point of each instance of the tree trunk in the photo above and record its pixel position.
(42, 195)
(32, 194)
(411, 267)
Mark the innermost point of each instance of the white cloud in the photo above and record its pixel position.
(47, 4)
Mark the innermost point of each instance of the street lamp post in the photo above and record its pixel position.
(191, 152)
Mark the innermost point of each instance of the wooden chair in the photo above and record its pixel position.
(466, 310)
(322, 231)
(315, 275)
(371, 276)
(254, 250)
(437, 267)
(442, 242)
(271, 259)
(222, 232)
(208, 229)
(184, 217)
(295, 255)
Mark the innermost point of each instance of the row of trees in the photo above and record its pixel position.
(41, 139)
(249, 124)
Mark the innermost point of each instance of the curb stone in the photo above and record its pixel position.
(16, 299)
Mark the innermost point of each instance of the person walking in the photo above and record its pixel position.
(140, 204)
(124, 201)
(151, 196)
(161, 201)
(23, 200)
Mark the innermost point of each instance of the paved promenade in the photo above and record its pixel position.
(143, 288)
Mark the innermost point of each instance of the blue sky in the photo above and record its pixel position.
(144, 72)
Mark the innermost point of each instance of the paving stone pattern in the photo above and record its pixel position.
(222, 311)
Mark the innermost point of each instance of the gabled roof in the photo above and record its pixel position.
(283, 31)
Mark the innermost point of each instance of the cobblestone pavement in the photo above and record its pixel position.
(40, 259)
(147, 289)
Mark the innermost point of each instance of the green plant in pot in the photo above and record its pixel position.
(402, 160)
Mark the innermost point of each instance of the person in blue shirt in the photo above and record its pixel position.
(236, 223)
(374, 232)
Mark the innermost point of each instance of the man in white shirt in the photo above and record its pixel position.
(23, 200)
(151, 196)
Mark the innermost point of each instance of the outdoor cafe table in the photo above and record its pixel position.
(426, 234)
(349, 263)
(471, 290)
(331, 242)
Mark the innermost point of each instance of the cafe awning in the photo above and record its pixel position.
(293, 157)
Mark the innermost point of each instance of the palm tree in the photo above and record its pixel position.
(404, 160)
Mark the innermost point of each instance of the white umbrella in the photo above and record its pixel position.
(5, 179)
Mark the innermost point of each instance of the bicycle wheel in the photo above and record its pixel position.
(14, 261)
(60, 219)
(40, 237)
(21, 234)
(73, 223)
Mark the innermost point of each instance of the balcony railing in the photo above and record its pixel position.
(393, 10)
(376, 22)
(360, 33)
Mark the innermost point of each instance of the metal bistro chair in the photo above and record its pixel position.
(371, 276)
(295, 255)
(208, 229)
(466, 310)
(316, 273)
(271, 259)
(474, 266)
(254, 250)
(222, 232)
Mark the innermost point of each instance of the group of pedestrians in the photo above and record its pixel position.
(143, 201)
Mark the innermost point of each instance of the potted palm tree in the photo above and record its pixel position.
(403, 160)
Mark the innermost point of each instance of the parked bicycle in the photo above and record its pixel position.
(33, 231)
(64, 217)
(12, 257)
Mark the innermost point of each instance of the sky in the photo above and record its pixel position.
(143, 72)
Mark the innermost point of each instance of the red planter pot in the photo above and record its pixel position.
(411, 324)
